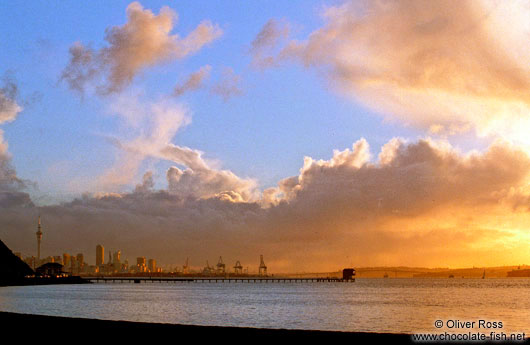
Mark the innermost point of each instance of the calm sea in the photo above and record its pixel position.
(371, 305)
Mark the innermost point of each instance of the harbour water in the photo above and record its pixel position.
(368, 305)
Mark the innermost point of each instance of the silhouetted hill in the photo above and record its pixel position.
(420, 272)
(12, 269)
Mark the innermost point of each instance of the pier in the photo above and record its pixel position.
(138, 280)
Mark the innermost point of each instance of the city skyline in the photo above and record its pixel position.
(75, 264)
(320, 134)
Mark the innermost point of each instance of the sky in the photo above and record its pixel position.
(320, 134)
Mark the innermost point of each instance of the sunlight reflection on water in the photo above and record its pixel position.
(372, 305)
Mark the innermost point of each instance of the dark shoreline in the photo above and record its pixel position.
(68, 329)
(39, 325)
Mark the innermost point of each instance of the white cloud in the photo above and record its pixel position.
(150, 126)
(199, 180)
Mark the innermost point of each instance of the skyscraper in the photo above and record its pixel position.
(73, 264)
(80, 258)
(66, 259)
(116, 260)
(152, 265)
(140, 264)
(39, 238)
(100, 254)
(116, 257)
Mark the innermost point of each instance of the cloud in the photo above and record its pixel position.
(11, 186)
(147, 183)
(269, 38)
(418, 203)
(9, 108)
(229, 85)
(438, 65)
(408, 178)
(83, 67)
(150, 126)
(144, 41)
(199, 180)
(194, 81)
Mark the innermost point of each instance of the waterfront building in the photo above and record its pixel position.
(92, 269)
(73, 264)
(50, 269)
(348, 273)
(140, 264)
(100, 255)
(80, 258)
(152, 265)
(66, 259)
(116, 257)
(48, 259)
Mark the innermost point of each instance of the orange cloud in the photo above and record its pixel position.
(419, 203)
(441, 65)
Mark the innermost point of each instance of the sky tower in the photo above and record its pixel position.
(39, 238)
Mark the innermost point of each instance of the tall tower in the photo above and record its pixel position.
(39, 238)
(100, 255)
